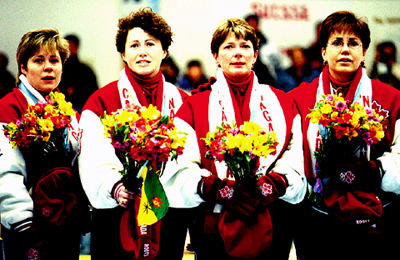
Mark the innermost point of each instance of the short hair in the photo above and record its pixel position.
(193, 63)
(344, 21)
(150, 22)
(252, 16)
(239, 27)
(33, 40)
(72, 38)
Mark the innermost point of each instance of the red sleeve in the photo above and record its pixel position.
(12, 106)
(105, 99)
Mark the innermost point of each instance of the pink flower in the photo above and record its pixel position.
(329, 98)
(369, 111)
(340, 106)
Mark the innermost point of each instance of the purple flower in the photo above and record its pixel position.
(117, 145)
(329, 98)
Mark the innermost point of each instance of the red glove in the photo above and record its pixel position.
(56, 196)
(361, 175)
(122, 195)
(229, 194)
(271, 186)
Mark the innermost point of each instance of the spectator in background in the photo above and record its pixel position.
(313, 52)
(78, 80)
(193, 77)
(300, 71)
(7, 80)
(262, 71)
(170, 70)
(385, 67)
(254, 21)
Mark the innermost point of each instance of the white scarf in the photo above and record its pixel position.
(172, 99)
(30, 93)
(363, 96)
(265, 110)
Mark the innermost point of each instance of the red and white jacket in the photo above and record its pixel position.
(98, 163)
(370, 93)
(16, 205)
(202, 112)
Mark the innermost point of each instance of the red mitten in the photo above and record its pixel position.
(229, 194)
(243, 238)
(271, 187)
(55, 196)
(355, 207)
(360, 175)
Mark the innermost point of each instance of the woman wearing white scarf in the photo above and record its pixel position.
(351, 216)
(236, 96)
(143, 39)
(40, 55)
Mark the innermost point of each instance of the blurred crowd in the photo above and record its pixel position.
(283, 68)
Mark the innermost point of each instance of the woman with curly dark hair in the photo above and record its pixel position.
(143, 39)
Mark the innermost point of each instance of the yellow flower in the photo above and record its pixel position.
(178, 139)
(334, 115)
(127, 117)
(66, 107)
(326, 109)
(250, 127)
(46, 136)
(46, 125)
(314, 116)
(150, 113)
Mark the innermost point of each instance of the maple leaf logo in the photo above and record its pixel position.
(157, 202)
(378, 108)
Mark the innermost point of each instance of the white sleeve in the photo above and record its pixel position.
(98, 163)
(181, 177)
(391, 164)
(291, 164)
(16, 204)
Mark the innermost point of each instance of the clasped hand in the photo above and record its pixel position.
(241, 200)
(123, 196)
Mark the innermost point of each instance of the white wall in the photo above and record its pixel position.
(94, 21)
(192, 22)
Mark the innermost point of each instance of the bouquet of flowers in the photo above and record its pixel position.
(42, 132)
(346, 129)
(240, 148)
(42, 124)
(144, 141)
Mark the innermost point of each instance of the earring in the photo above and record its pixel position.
(325, 63)
(362, 64)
